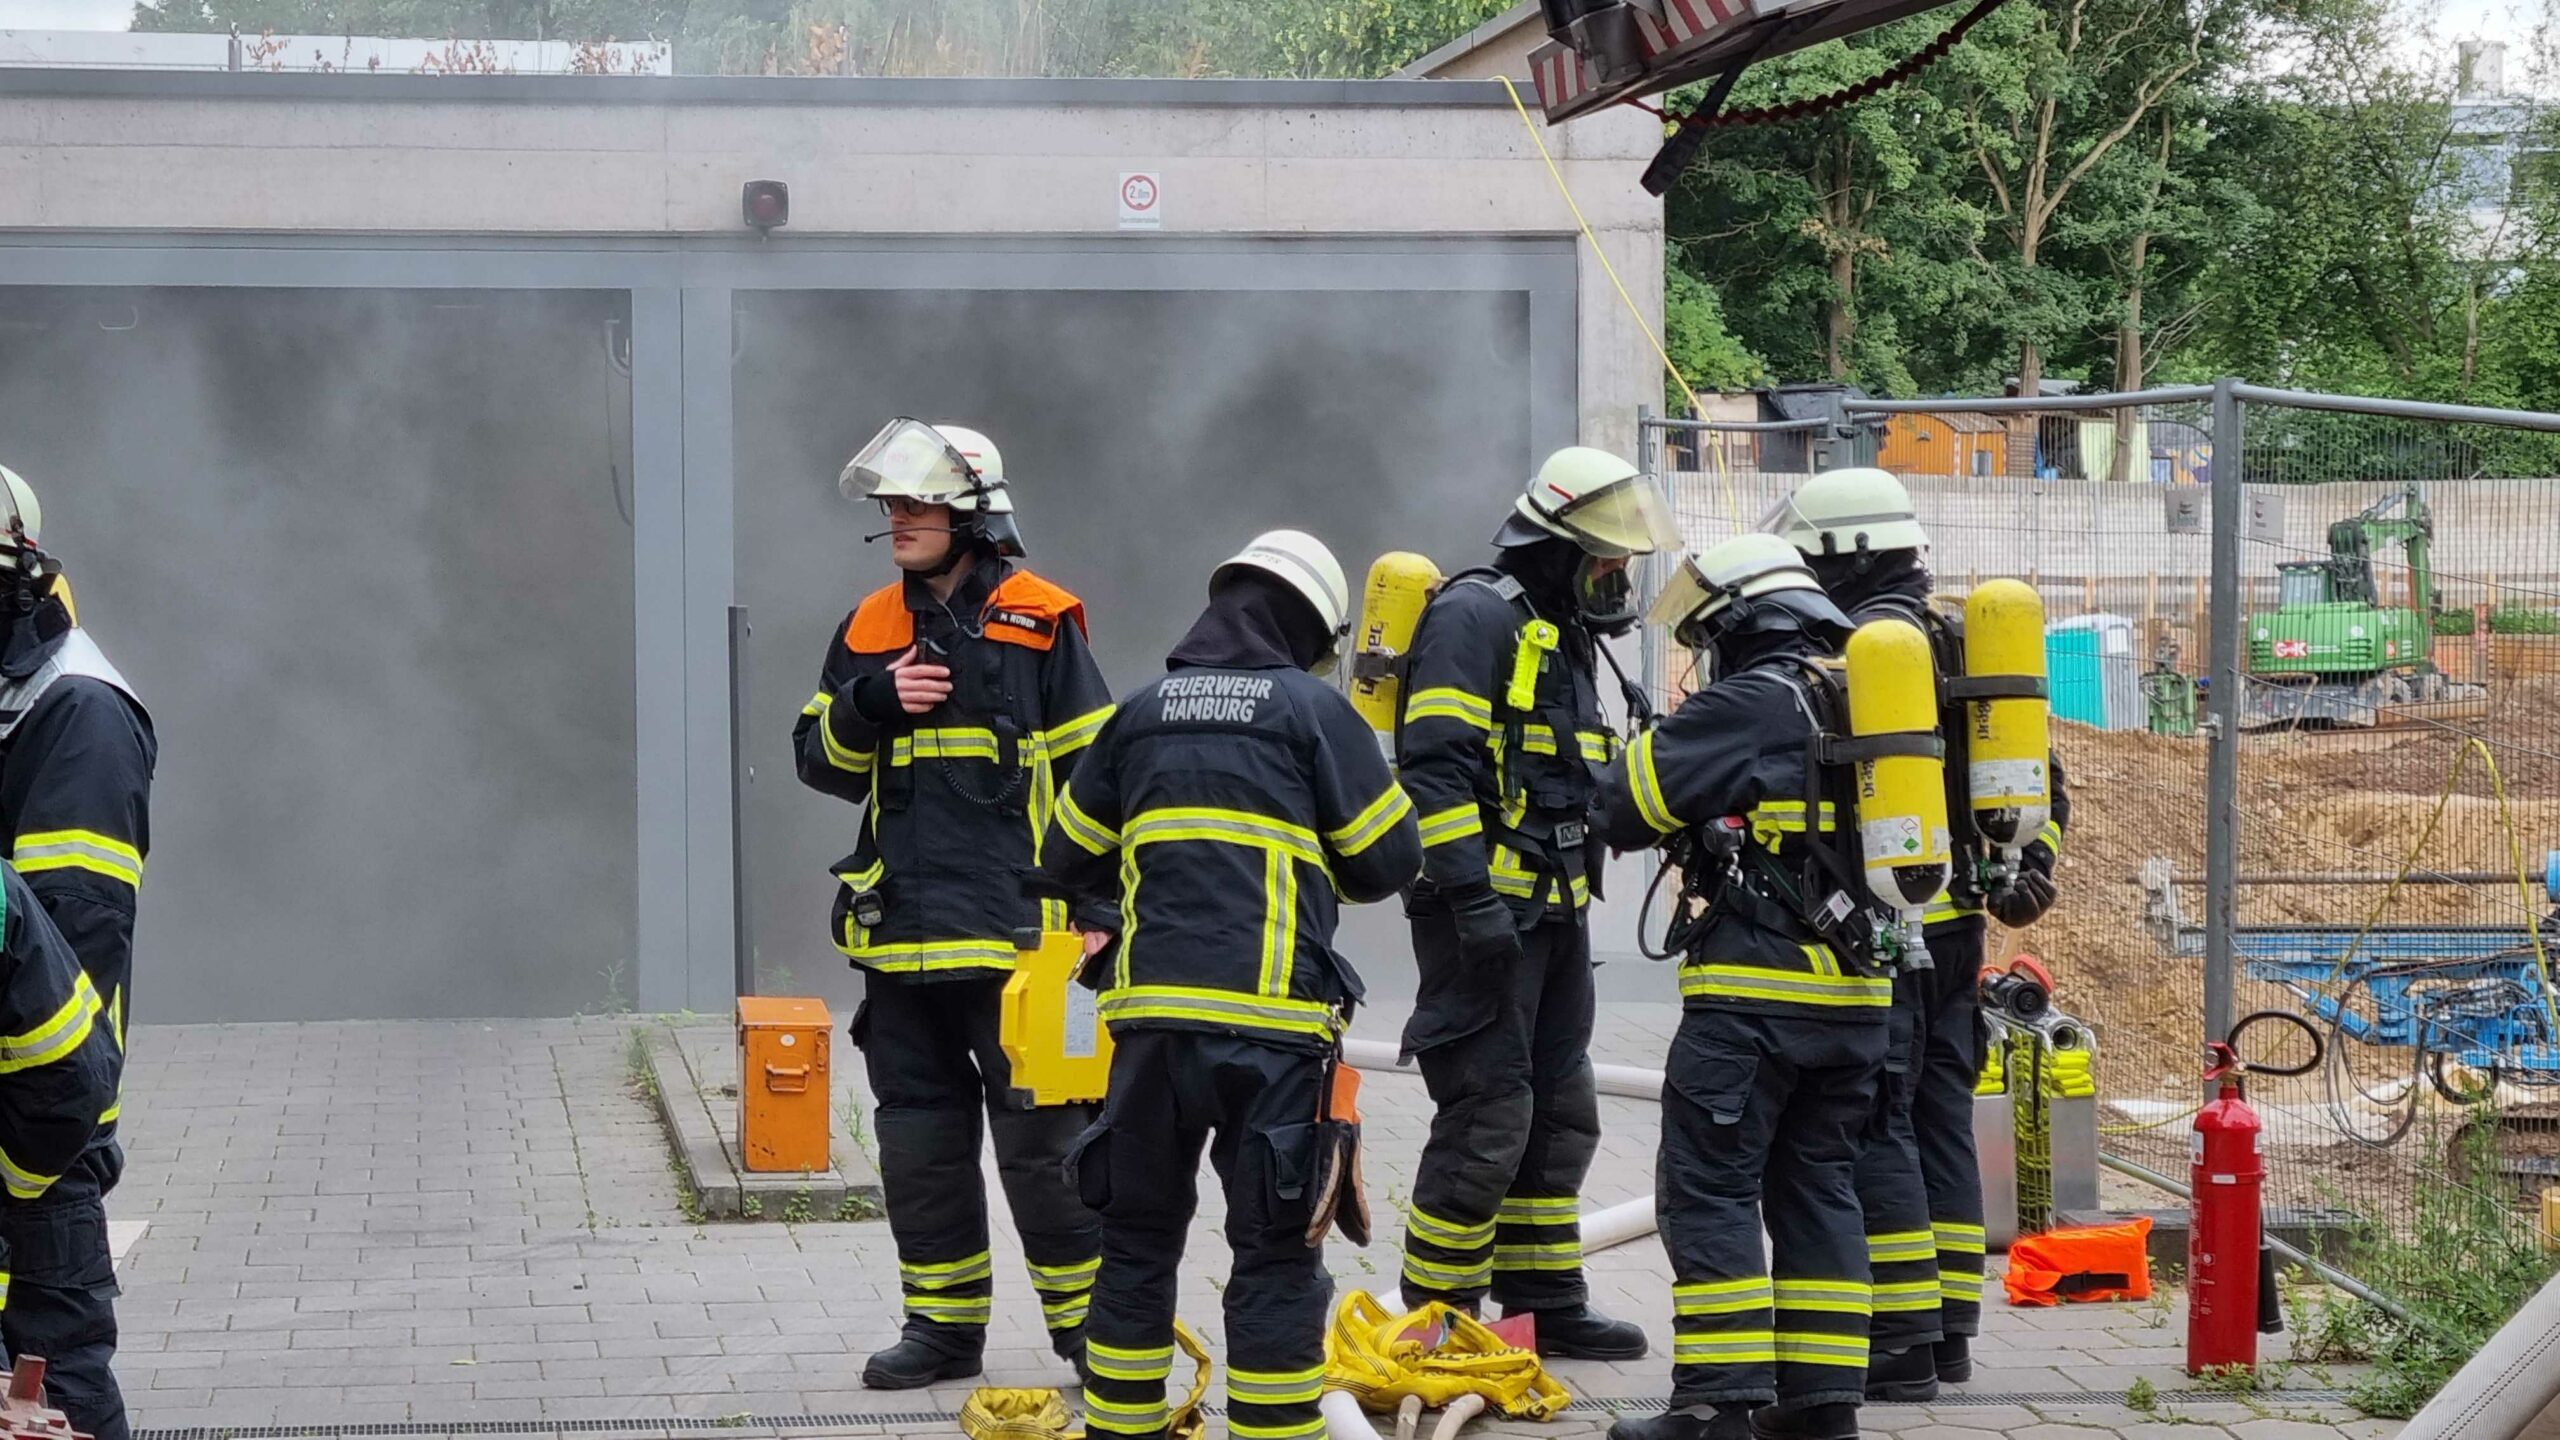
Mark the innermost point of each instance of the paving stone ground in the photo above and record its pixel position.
(474, 1223)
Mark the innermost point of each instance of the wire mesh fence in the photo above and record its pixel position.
(2390, 602)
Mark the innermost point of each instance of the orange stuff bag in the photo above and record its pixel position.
(2084, 1262)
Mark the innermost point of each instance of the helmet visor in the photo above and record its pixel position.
(1628, 517)
(1680, 596)
(907, 459)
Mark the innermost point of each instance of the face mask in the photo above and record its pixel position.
(1607, 600)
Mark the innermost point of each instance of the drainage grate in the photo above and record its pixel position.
(751, 1424)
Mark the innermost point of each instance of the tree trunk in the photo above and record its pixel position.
(2030, 355)
(1843, 319)
(2129, 364)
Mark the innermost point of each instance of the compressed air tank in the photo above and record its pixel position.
(1400, 583)
(2008, 773)
(1902, 797)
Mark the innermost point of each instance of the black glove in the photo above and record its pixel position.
(874, 697)
(1486, 932)
(2031, 893)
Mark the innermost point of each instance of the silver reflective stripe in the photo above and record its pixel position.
(77, 655)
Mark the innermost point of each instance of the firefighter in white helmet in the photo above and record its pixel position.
(1774, 1073)
(1500, 743)
(1239, 796)
(954, 703)
(76, 759)
(1862, 537)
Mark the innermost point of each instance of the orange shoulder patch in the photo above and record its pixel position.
(881, 624)
(1027, 610)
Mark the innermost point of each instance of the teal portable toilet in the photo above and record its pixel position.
(2091, 675)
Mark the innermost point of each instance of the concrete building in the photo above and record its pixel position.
(415, 442)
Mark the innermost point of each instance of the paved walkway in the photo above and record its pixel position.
(472, 1226)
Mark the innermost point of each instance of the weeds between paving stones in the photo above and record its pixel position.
(799, 1208)
(2143, 1396)
(2469, 1263)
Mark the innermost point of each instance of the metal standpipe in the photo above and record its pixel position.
(2222, 721)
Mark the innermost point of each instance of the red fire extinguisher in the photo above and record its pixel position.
(2223, 1233)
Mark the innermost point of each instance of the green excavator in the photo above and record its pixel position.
(2332, 654)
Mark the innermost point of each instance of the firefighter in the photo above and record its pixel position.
(1863, 540)
(1774, 1074)
(1500, 744)
(76, 757)
(1235, 798)
(953, 705)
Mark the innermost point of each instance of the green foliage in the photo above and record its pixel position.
(2464, 1263)
(1693, 330)
(2142, 1397)
(2505, 620)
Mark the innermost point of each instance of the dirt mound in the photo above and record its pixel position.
(2347, 802)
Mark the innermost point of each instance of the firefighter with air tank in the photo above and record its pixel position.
(2007, 806)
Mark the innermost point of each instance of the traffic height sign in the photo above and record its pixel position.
(1141, 200)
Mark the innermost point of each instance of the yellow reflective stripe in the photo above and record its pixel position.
(1555, 1255)
(1063, 740)
(1447, 1276)
(1373, 821)
(1279, 921)
(1901, 1245)
(1512, 877)
(1964, 1290)
(1447, 1233)
(1096, 837)
(1067, 1313)
(1539, 1210)
(59, 1035)
(1275, 1432)
(1457, 822)
(963, 742)
(78, 850)
(1646, 784)
(1276, 1387)
(1802, 1348)
(953, 1309)
(1944, 907)
(1218, 1007)
(1792, 987)
(2051, 835)
(1722, 1297)
(1138, 1372)
(944, 1275)
(1230, 827)
(1753, 1347)
(23, 1183)
(856, 761)
(1063, 1277)
(1293, 1431)
(1131, 1417)
(1902, 1296)
(1962, 1238)
(936, 954)
(1447, 702)
(1794, 1292)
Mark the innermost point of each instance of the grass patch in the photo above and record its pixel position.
(2462, 1266)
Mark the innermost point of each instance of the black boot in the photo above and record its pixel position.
(1731, 1421)
(1581, 1333)
(922, 1357)
(1903, 1377)
(1788, 1420)
(1955, 1359)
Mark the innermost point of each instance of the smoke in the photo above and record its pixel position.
(1148, 436)
(364, 557)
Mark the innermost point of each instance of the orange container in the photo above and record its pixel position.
(782, 1083)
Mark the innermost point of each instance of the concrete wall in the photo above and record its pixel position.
(650, 156)
(1448, 294)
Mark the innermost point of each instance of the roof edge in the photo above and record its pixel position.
(752, 89)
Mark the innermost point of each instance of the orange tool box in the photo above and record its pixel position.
(783, 1122)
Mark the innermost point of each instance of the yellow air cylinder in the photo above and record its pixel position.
(1050, 1026)
(2005, 742)
(1400, 583)
(1902, 798)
